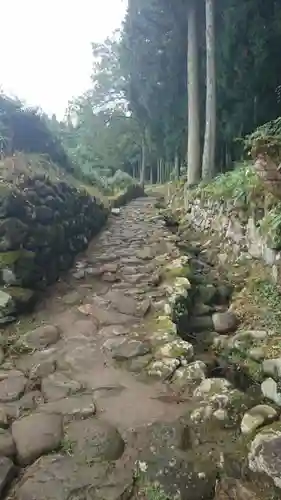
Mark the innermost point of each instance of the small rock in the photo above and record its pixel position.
(79, 275)
(163, 368)
(233, 489)
(7, 305)
(257, 353)
(41, 337)
(143, 308)
(6, 320)
(122, 303)
(145, 253)
(225, 322)
(35, 435)
(110, 267)
(3, 418)
(7, 445)
(270, 390)
(176, 349)
(129, 349)
(92, 271)
(155, 279)
(74, 407)
(7, 473)
(110, 278)
(12, 388)
(57, 386)
(117, 330)
(212, 386)
(256, 417)
(115, 211)
(112, 343)
(190, 375)
(72, 298)
(272, 367)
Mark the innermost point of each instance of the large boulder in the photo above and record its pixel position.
(40, 337)
(36, 435)
(93, 439)
(225, 322)
(265, 453)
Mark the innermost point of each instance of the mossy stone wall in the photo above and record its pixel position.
(43, 225)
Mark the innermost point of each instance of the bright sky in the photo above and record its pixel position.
(46, 47)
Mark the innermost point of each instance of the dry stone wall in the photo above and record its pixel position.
(43, 225)
(241, 228)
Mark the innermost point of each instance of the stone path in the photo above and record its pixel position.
(99, 398)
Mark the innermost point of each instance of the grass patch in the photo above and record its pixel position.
(12, 169)
(152, 491)
(268, 298)
(239, 185)
(67, 446)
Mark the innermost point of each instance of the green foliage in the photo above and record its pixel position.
(268, 297)
(154, 492)
(100, 135)
(120, 180)
(28, 130)
(266, 139)
(153, 61)
(239, 185)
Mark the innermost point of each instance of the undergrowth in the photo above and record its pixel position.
(266, 139)
(241, 184)
(267, 294)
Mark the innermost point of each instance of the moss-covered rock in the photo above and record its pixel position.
(7, 305)
(131, 193)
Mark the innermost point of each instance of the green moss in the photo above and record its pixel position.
(240, 358)
(165, 323)
(20, 295)
(9, 258)
(270, 227)
(12, 257)
(254, 370)
(171, 274)
(153, 491)
(267, 294)
(5, 190)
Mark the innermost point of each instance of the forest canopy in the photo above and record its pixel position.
(172, 92)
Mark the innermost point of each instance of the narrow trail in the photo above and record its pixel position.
(89, 361)
(110, 294)
(99, 398)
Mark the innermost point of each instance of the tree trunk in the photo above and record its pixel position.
(143, 159)
(208, 161)
(193, 149)
(177, 166)
(161, 170)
